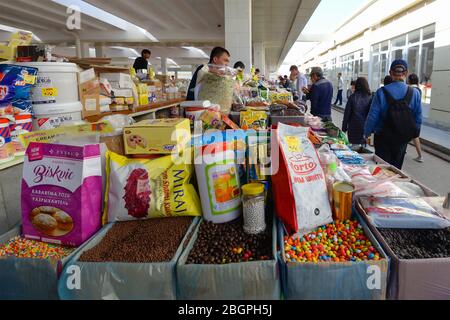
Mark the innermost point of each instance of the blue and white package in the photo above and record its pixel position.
(16, 82)
(22, 106)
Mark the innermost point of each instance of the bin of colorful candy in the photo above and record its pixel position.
(339, 261)
(29, 269)
(223, 262)
(129, 260)
(420, 258)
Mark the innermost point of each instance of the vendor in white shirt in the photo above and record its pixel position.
(298, 81)
(219, 56)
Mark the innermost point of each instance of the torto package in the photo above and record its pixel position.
(302, 204)
(149, 188)
(61, 193)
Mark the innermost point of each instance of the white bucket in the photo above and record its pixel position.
(56, 83)
(55, 115)
(55, 96)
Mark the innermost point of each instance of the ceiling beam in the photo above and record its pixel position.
(26, 25)
(27, 13)
(304, 12)
(84, 18)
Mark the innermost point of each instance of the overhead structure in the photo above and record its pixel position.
(184, 31)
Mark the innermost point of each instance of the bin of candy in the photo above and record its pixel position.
(420, 258)
(129, 260)
(339, 261)
(223, 262)
(29, 269)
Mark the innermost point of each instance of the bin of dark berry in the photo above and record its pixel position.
(224, 262)
(419, 260)
(129, 260)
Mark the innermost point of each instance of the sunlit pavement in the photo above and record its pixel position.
(434, 172)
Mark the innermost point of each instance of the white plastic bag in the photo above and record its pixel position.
(400, 213)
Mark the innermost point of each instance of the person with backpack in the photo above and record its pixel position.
(356, 112)
(395, 116)
(413, 81)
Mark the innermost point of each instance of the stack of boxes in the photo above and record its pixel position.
(119, 87)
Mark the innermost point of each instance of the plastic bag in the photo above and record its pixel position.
(217, 89)
(16, 82)
(367, 184)
(146, 188)
(399, 213)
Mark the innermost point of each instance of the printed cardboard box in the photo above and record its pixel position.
(157, 136)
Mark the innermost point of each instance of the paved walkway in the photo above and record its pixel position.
(437, 137)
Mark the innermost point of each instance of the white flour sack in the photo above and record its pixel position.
(307, 178)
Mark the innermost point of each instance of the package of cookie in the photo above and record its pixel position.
(61, 193)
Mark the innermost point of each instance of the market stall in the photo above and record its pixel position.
(242, 195)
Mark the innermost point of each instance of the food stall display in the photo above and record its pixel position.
(186, 205)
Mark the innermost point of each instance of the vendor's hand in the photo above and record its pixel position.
(305, 90)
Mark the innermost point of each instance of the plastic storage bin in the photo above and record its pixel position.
(334, 281)
(256, 280)
(27, 278)
(115, 280)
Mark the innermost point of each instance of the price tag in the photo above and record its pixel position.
(29, 79)
(293, 143)
(49, 92)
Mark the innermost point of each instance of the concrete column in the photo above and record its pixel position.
(164, 65)
(238, 30)
(440, 95)
(259, 57)
(100, 50)
(85, 50)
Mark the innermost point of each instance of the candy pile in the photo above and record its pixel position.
(23, 248)
(336, 242)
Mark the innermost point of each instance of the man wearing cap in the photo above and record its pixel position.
(320, 94)
(388, 97)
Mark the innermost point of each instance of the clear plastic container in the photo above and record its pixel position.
(253, 200)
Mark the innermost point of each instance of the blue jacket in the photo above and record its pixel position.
(321, 94)
(378, 110)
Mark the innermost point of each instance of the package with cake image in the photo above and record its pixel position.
(61, 193)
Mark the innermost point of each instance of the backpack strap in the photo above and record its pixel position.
(409, 96)
(388, 96)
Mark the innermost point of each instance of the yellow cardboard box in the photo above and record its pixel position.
(143, 99)
(157, 136)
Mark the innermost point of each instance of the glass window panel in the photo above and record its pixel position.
(427, 62)
(384, 62)
(385, 46)
(397, 54)
(361, 65)
(428, 32)
(414, 37)
(399, 42)
(413, 59)
(426, 72)
(376, 48)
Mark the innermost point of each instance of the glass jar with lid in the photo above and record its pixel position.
(253, 201)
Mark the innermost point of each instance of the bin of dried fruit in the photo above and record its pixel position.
(223, 262)
(419, 260)
(130, 260)
(339, 261)
(29, 269)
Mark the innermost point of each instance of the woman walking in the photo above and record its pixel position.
(356, 112)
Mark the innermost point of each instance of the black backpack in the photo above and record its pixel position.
(399, 124)
(190, 93)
